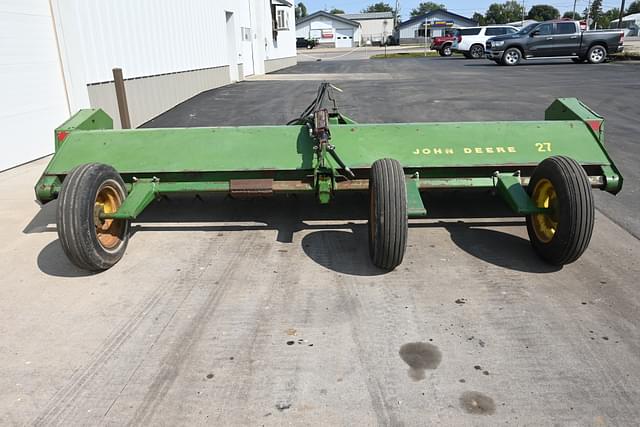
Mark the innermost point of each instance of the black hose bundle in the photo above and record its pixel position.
(324, 93)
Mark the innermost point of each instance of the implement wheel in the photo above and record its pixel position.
(561, 236)
(89, 242)
(388, 221)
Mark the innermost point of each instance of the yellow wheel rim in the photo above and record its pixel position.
(108, 231)
(545, 196)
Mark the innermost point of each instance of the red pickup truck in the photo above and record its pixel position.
(443, 44)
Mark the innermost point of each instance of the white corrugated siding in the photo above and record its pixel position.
(143, 37)
(32, 98)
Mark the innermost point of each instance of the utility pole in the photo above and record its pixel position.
(395, 15)
(523, 13)
(588, 15)
(621, 14)
(574, 9)
(425, 38)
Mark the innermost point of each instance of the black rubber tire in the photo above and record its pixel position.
(476, 51)
(505, 59)
(441, 52)
(76, 224)
(446, 50)
(591, 51)
(388, 221)
(575, 210)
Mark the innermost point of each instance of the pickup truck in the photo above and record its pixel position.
(443, 44)
(553, 39)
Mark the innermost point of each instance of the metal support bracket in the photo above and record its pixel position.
(612, 179)
(415, 207)
(143, 192)
(324, 184)
(512, 192)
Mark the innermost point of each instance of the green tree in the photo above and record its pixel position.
(595, 12)
(301, 11)
(608, 16)
(336, 11)
(569, 15)
(634, 7)
(479, 18)
(543, 12)
(501, 13)
(378, 7)
(426, 7)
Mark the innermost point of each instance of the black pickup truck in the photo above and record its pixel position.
(553, 39)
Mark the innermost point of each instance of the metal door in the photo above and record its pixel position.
(541, 42)
(344, 37)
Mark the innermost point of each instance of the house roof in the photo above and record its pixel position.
(322, 13)
(281, 3)
(365, 16)
(631, 17)
(426, 16)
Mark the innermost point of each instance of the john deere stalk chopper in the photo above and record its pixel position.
(544, 171)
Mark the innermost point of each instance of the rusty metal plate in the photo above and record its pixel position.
(251, 187)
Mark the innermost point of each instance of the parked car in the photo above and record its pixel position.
(553, 39)
(443, 43)
(301, 42)
(471, 41)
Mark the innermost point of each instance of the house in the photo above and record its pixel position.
(432, 24)
(60, 54)
(329, 30)
(376, 27)
(630, 25)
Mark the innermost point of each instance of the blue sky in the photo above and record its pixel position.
(462, 7)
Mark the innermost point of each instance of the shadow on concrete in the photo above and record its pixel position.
(498, 248)
(338, 240)
(44, 221)
(53, 261)
(342, 251)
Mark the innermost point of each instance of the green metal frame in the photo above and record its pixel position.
(499, 155)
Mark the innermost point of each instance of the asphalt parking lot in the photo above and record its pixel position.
(268, 312)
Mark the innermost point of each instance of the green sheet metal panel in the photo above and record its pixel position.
(469, 144)
(290, 148)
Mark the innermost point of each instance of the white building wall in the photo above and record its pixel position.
(32, 95)
(313, 29)
(57, 56)
(376, 30)
(143, 37)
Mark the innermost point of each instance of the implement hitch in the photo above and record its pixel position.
(543, 170)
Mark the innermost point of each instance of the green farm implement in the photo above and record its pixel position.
(543, 170)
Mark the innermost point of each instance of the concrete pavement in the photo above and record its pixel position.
(268, 312)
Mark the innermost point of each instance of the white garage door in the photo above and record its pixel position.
(344, 37)
(32, 96)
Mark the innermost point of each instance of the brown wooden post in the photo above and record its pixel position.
(121, 95)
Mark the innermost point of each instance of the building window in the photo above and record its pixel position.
(246, 34)
(282, 19)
